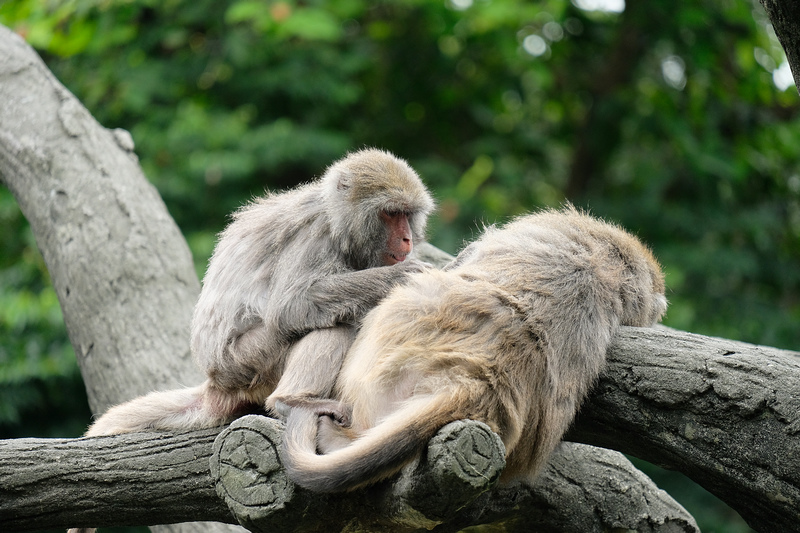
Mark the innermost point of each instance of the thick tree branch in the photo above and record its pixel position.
(136, 479)
(119, 264)
(725, 413)
(151, 478)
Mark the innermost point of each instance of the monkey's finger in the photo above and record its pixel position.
(282, 409)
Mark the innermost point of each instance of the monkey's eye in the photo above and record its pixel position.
(394, 215)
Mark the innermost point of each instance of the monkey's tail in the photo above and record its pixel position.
(377, 454)
(190, 408)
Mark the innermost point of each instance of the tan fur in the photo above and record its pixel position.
(513, 333)
(289, 278)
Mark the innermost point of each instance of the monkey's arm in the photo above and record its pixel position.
(344, 298)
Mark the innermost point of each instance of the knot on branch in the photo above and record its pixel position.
(463, 460)
(247, 469)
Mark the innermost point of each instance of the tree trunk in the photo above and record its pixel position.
(119, 264)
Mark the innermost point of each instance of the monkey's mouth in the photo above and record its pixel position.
(392, 259)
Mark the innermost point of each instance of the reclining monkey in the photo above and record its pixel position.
(513, 333)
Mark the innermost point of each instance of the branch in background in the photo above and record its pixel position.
(114, 254)
(785, 18)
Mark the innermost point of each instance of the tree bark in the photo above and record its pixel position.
(725, 413)
(135, 479)
(119, 264)
(121, 269)
(785, 18)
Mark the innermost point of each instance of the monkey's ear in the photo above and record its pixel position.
(344, 180)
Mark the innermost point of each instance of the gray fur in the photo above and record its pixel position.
(288, 280)
(295, 262)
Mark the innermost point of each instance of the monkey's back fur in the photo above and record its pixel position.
(513, 333)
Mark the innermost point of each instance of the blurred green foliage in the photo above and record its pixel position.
(664, 117)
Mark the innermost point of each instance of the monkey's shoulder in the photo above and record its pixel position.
(447, 301)
(288, 205)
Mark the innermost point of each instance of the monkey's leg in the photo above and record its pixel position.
(312, 365)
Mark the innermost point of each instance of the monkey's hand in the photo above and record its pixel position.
(344, 298)
(338, 412)
(413, 266)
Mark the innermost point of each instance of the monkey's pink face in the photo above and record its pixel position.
(400, 242)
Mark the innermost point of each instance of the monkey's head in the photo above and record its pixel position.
(643, 298)
(622, 265)
(640, 277)
(377, 206)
